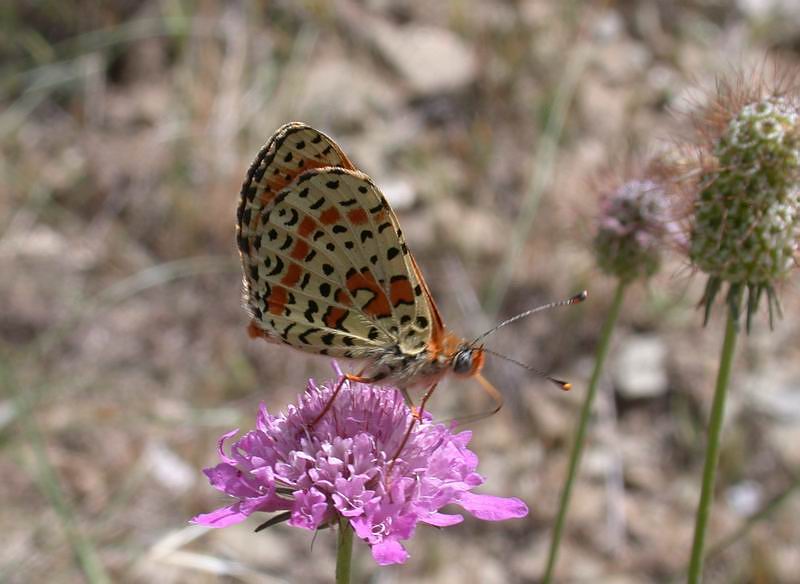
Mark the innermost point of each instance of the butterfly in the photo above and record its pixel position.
(326, 269)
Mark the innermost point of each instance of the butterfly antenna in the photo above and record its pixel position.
(574, 300)
(566, 386)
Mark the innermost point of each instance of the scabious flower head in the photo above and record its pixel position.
(746, 222)
(343, 467)
(631, 225)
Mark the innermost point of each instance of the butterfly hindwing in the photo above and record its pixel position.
(330, 271)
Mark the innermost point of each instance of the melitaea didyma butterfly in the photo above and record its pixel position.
(327, 269)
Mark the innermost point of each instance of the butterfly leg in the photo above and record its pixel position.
(416, 417)
(359, 378)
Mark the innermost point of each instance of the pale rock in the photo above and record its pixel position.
(785, 439)
(763, 9)
(745, 498)
(608, 26)
(774, 391)
(639, 369)
(169, 469)
(346, 91)
(399, 192)
(432, 60)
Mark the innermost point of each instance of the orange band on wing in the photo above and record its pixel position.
(307, 225)
(357, 216)
(400, 291)
(292, 275)
(277, 299)
(334, 317)
(300, 249)
(378, 305)
(330, 215)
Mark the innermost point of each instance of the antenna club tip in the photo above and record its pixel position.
(580, 297)
(566, 386)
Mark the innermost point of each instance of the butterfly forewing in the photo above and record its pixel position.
(294, 149)
(326, 268)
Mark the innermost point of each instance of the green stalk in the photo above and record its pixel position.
(580, 432)
(344, 551)
(712, 451)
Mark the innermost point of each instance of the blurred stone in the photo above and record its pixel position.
(774, 391)
(169, 469)
(784, 438)
(399, 192)
(745, 497)
(346, 91)
(608, 26)
(622, 62)
(639, 369)
(764, 9)
(433, 60)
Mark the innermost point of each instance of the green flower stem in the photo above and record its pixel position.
(580, 432)
(344, 551)
(712, 450)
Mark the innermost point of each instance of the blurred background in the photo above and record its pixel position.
(126, 129)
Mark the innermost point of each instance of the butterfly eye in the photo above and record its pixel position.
(462, 363)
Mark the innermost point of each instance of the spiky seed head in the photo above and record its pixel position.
(746, 220)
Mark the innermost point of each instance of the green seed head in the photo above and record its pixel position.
(747, 215)
(627, 242)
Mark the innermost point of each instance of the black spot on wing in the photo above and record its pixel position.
(313, 308)
(304, 335)
(287, 243)
(285, 333)
(278, 266)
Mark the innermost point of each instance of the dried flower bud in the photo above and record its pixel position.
(630, 226)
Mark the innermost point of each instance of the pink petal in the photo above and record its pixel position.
(222, 517)
(492, 508)
(441, 519)
(221, 446)
(388, 552)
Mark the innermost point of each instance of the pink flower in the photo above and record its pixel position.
(343, 467)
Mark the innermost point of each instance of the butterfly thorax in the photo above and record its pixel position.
(398, 365)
